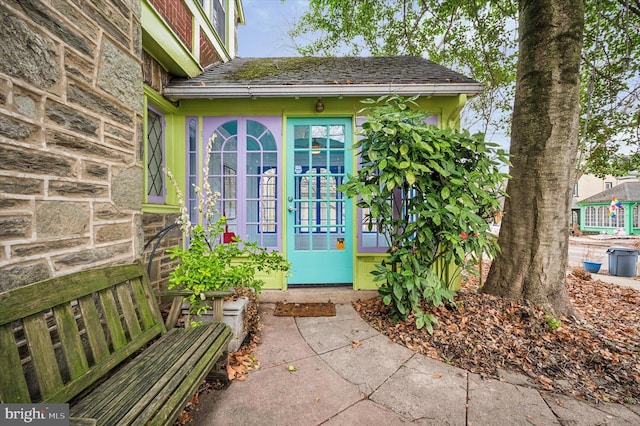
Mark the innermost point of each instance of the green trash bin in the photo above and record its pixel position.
(623, 261)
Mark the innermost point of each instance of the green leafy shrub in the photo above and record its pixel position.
(431, 193)
(208, 264)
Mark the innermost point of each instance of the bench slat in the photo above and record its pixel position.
(13, 386)
(146, 303)
(112, 318)
(169, 404)
(113, 392)
(71, 389)
(27, 300)
(136, 381)
(95, 333)
(70, 341)
(129, 311)
(42, 355)
(182, 377)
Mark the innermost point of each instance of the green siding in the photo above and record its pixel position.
(447, 108)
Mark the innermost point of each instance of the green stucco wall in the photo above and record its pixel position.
(446, 108)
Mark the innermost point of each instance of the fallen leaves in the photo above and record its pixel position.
(243, 361)
(595, 356)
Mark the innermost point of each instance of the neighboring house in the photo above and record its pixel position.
(594, 210)
(283, 130)
(589, 185)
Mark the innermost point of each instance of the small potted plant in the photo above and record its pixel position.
(211, 263)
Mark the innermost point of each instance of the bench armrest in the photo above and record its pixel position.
(178, 297)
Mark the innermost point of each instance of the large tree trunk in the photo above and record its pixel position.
(534, 237)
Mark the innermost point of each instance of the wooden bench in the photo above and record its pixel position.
(96, 340)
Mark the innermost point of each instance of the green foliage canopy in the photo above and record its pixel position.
(479, 38)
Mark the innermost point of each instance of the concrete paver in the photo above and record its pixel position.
(328, 335)
(367, 413)
(379, 351)
(492, 402)
(310, 395)
(428, 395)
(377, 382)
(571, 411)
(281, 341)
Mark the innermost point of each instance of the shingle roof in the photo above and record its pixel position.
(317, 76)
(628, 191)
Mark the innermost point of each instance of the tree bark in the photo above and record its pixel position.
(534, 236)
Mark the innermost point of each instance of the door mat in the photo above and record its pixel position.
(305, 310)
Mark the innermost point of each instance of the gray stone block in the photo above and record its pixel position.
(127, 188)
(121, 76)
(15, 276)
(38, 64)
(60, 219)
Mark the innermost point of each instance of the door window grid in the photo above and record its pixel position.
(320, 210)
(319, 154)
(243, 168)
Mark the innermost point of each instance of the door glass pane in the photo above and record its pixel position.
(320, 239)
(318, 170)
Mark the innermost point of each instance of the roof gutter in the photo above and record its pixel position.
(319, 90)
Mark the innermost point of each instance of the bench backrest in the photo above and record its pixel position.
(59, 336)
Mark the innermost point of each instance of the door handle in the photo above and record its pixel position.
(292, 209)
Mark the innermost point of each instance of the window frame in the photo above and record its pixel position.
(155, 199)
(219, 10)
(242, 224)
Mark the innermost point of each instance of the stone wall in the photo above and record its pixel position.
(159, 239)
(71, 99)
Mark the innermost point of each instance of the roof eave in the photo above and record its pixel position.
(320, 90)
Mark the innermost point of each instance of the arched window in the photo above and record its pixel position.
(243, 168)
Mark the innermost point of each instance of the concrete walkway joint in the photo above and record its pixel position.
(340, 371)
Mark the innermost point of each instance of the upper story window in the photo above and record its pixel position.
(608, 185)
(219, 18)
(155, 156)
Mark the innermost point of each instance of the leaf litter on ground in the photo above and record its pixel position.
(595, 356)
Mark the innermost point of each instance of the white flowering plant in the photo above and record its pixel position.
(207, 263)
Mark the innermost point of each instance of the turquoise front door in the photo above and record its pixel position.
(319, 238)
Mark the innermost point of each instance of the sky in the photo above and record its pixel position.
(267, 22)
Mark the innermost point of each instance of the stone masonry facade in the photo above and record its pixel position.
(71, 105)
